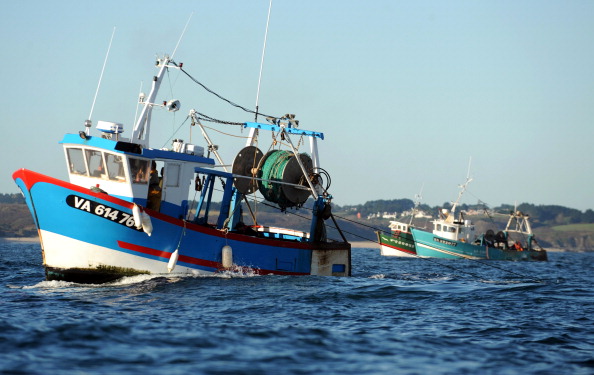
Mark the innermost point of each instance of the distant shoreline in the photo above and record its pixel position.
(364, 244)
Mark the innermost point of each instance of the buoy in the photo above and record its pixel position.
(227, 256)
(137, 217)
(172, 260)
(147, 225)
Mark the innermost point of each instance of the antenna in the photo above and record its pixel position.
(88, 122)
(262, 61)
(141, 97)
(418, 198)
(463, 187)
(253, 131)
(182, 35)
(468, 173)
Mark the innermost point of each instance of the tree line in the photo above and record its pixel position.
(540, 214)
(12, 198)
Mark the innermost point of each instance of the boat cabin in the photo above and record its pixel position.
(398, 227)
(157, 179)
(454, 229)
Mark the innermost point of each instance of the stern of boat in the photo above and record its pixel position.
(331, 260)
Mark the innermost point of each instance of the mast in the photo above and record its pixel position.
(462, 188)
(211, 146)
(418, 198)
(141, 130)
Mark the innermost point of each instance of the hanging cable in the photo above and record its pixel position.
(217, 95)
(202, 116)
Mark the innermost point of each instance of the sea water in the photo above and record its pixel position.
(393, 316)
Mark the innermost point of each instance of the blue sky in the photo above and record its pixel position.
(405, 92)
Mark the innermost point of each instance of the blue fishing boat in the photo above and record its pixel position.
(127, 208)
(454, 237)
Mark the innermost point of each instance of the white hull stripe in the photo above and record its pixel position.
(446, 252)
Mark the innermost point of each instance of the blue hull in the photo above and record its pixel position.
(433, 246)
(91, 237)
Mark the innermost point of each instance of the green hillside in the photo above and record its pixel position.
(587, 227)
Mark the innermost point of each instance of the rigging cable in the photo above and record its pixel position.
(227, 134)
(175, 132)
(204, 117)
(217, 95)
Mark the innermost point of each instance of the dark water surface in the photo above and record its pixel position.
(394, 316)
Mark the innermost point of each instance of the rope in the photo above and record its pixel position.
(182, 235)
(273, 170)
(230, 135)
(204, 117)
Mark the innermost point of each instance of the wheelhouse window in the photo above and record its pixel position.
(139, 170)
(76, 161)
(115, 167)
(173, 173)
(95, 163)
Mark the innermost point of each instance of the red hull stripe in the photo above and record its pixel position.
(399, 248)
(167, 255)
(196, 261)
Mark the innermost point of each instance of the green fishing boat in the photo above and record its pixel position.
(398, 243)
